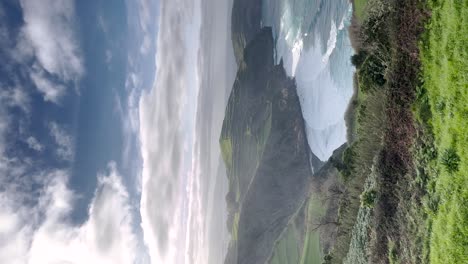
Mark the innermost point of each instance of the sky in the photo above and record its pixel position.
(110, 116)
(109, 122)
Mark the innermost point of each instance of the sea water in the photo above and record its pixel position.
(313, 41)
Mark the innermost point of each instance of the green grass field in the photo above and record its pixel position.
(312, 252)
(444, 50)
(359, 9)
(235, 226)
(226, 151)
(291, 250)
(288, 248)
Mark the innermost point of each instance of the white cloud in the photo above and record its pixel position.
(48, 35)
(144, 9)
(52, 91)
(129, 119)
(14, 240)
(65, 145)
(15, 97)
(145, 45)
(167, 118)
(34, 144)
(49, 28)
(106, 237)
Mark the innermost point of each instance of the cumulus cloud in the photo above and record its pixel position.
(36, 202)
(34, 144)
(167, 114)
(48, 39)
(63, 140)
(42, 234)
(52, 91)
(14, 240)
(49, 28)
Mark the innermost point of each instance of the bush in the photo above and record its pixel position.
(348, 162)
(440, 107)
(358, 58)
(368, 198)
(451, 160)
(327, 259)
(392, 253)
(372, 73)
(375, 27)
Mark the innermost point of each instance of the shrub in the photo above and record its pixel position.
(372, 73)
(358, 58)
(368, 198)
(392, 253)
(348, 162)
(375, 27)
(450, 160)
(440, 107)
(327, 259)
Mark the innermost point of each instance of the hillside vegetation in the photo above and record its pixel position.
(406, 167)
(266, 153)
(443, 109)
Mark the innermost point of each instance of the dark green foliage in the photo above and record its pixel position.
(358, 58)
(440, 106)
(392, 253)
(348, 163)
(371, 73)
(423, 111)
(432, 202)
(368, 198)
(327, 259)
(450, 160)
(375, 27)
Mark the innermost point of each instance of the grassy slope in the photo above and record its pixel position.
(253, 145)
(290, 249)
(359, 9)
(359, 241)
(445, 74)
(312, 252)
(386, 74)
(421, 216)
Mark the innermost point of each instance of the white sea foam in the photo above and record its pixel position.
(331, 43)
(323, 100)
(323, 104)
(289, 44)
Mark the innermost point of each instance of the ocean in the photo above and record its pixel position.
(313, 41)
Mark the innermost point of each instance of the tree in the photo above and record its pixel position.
(333, 192)
(324, 222)
(358, 58)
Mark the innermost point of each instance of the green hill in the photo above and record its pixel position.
(266, 153)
